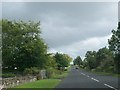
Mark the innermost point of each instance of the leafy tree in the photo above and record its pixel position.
(22, 46)
(62, 60)
(90, 58)
(104, 59)
(0, 41)
(103, 54)
(101, 60)
(51, 62)
(114, 45)
(78, 61)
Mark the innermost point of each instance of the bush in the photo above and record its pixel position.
(99, 69)
(8, 75)
(32, 71)
(51, 72)
(109, 69)
(93, 70)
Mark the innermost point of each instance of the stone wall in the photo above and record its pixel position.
(12, 82)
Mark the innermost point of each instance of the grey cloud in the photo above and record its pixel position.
(119, 10)
(66, 23)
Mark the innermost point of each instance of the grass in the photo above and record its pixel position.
(106, 73)
(103, 73)
(45, 83)
(60, 76)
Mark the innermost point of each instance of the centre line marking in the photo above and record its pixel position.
(83, 74)
(95, 79)
(110, 86)
(88, 76)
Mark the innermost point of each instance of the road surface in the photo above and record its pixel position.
(78, 78)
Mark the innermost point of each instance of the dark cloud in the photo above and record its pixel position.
(119, 10)
(66, 23)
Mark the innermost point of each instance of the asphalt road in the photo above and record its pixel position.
(78, 78)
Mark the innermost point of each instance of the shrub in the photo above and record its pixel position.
(8, 75)
(51, 72)
(98, 69)
(32, 71)
(109, 69)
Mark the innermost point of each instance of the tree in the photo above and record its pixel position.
(22, 46)
(78, 61)
(114, 46)
(62, 60)
(105, 60)
(90, 58)
(103, 54)
(51, 62)
(102, 60)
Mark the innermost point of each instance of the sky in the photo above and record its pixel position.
(68, 27)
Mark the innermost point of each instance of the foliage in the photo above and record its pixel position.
(32, 71)
(51, 62)
(60, 75)
(7, 75)
(102, 60)
(78, 61)
(62, 60)
(22, 46)
(49, 83)
(90, 59)
(114, 45)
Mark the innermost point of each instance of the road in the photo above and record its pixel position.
(78, 78)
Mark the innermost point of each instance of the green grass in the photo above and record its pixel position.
(106, 73)
(102, 73)
(45, 83)
(60, 76)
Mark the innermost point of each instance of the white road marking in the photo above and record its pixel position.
(88, 76)
(82, 73)
(99, 81)
(110, 86)
(95, 79)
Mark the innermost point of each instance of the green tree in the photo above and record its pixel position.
(90, 59)
(51, 62)
(78, 61)
(114, 45)
(103, 54)
(104, 59)
(22, 46)
(62, 60)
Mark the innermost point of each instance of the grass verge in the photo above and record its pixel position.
(106, 73)
(102, 73)
(60, 76)
(45, 83)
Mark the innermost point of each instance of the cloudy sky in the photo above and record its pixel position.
(68, 27)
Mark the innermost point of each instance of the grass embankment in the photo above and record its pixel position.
(46, 83)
